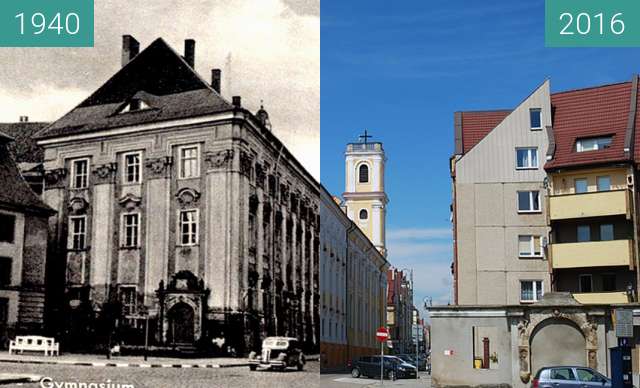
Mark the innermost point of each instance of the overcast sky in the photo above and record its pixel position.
(268, 50)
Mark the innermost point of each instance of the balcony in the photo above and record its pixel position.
(592, 254)
(594, 204)
(617, 297)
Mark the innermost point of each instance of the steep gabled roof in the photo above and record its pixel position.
(24, 148)
(15, 193)
(591, 112)
(160, 75)
(475, 125)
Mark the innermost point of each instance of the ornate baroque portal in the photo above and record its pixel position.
(527, 329)
(183, 305)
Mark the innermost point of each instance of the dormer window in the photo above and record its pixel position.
(135, 104)
(593, 143)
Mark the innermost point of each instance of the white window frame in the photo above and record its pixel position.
(133, 287)
(539, 110)
(125, 173)
(74, 173)
(197, 227)
(124, 229)
(580, 282)
(181, 161)
(72, 233)
(580, 147)
(598, 182)
(575, 185)
(535, 290)
(358, 167)
(530, 152)
(531, 246)
(539, 210)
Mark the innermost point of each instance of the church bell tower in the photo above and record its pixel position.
(365, 198)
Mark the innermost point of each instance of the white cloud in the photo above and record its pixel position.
(428, 251)
(268, 50)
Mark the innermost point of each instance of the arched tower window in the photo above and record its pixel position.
(363, 173)
(364, 215)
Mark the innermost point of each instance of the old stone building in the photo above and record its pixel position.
(175, 202)
(23, 249)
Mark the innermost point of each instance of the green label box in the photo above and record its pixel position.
(46, 23)
(592, 23)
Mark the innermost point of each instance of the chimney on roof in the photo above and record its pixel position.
(190, 52)
(24, 119)
(237, 101)
(130, 48)
(216, 77)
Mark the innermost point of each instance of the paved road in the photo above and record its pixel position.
(346, 381)
(166, 377)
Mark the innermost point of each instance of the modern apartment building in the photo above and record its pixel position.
(545, 236)
(499, 221)
(592, 195)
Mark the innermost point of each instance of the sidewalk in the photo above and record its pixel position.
(9, 378)
(129, 361)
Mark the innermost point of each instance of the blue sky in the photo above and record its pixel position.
(400, 69)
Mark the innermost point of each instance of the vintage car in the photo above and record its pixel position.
(278, 353)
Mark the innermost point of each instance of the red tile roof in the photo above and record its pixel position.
(476, 125)
(582, 113)
(592, 112)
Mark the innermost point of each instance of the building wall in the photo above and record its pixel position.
(487, 221)
(257, 216)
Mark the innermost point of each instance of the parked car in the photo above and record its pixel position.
(411, 359)
(393, 367)
(278, 353)
(569, 377)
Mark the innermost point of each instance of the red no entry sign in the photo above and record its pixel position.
(382, 334)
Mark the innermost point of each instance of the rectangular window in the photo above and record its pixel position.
(585, 283)
(131, 226)
(606, 232)
(7, 228)
(531, 290)
(530, 246)
(4, 311)
(128, 298)
(188, 227)
(528, 201)
(132, 167)
(604, 183)
(608, 282)
(536, 121)
(584, 233)
(189, 166)
(80, 173)
(78, 232)
(526, 158)
(581, 185)
(5, 271)
(593, 143)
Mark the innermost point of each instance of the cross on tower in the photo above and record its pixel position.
(365, 136)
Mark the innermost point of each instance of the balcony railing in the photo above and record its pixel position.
(593, 204)
(364, 147)
(592, 254)
(615, 297)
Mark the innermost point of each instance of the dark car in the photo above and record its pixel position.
(569, 377)
(411, 359)
(393, 367)
(278, 353)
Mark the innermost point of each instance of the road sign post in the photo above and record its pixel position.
(381, 335)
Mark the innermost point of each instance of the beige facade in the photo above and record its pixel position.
(488, 223)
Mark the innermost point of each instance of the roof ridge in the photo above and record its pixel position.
(591, 87)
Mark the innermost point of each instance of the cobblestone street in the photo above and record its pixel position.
(166, 377)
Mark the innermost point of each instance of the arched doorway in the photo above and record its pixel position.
(181, 324)
(557, 334)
